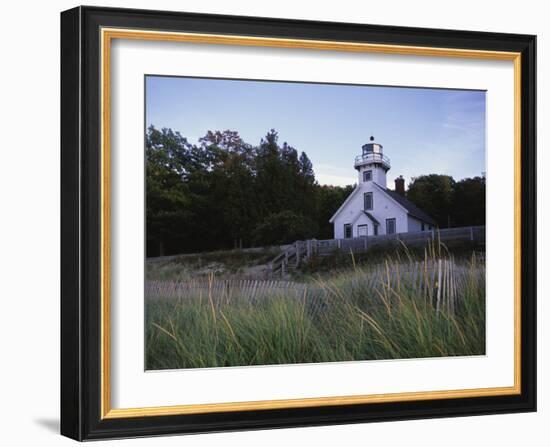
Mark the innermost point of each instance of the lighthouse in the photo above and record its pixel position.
(372, 165)
(372, 208)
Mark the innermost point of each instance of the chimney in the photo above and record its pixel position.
(400, 185)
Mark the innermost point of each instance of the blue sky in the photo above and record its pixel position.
(423, 131)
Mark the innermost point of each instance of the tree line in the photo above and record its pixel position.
(450, 203)
(224, 193)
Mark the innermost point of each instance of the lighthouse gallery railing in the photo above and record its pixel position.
(372, 157)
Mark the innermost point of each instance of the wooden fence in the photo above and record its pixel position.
(302, 251)
(440, 281)
(222, 290)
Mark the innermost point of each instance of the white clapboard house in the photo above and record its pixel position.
(372, 208)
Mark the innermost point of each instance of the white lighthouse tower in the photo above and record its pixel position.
(372, 209)
(372, 164)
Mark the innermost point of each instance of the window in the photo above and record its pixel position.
(362, 230)
(390, 226)
(367, 200)
(376, 229)
(422, 226)
(347, 231)
(367, 176)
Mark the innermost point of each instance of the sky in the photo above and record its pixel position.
(423, 131)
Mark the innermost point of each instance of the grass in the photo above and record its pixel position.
(202, 264)
(377, 254)
(399, 308)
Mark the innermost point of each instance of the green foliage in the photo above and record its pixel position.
(279, 228)
(469, 202)
(225, 193)
(434, 194)
(450, 203)
(167, 195)
(330, 198)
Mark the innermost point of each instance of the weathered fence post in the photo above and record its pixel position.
(297, 253)
(438, 296)
(472, 234)
(308, 249)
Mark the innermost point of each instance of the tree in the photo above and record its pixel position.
(283, 180)
(330, 198)
(306, 168)
(450, 203)
(229, 141)
(232, 184)
(469, 202)
(283, 228)
(270, 175)
(167, 157)
(168, 151)
(433, 193)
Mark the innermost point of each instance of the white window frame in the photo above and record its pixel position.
(371, 201)
(366, 228)
(350, 230)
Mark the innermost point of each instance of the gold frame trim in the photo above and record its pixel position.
(107, 35)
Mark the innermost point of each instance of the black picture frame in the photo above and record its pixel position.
(81, 223)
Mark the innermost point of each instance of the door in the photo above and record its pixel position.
(390, 226)
(362, 230)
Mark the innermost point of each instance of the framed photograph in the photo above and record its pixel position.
(277, 223)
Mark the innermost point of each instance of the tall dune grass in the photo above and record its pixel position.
(402, 308)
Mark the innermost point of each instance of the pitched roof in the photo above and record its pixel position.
(348, 198)
(372, 218)
(366, 213)
(411, 208)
